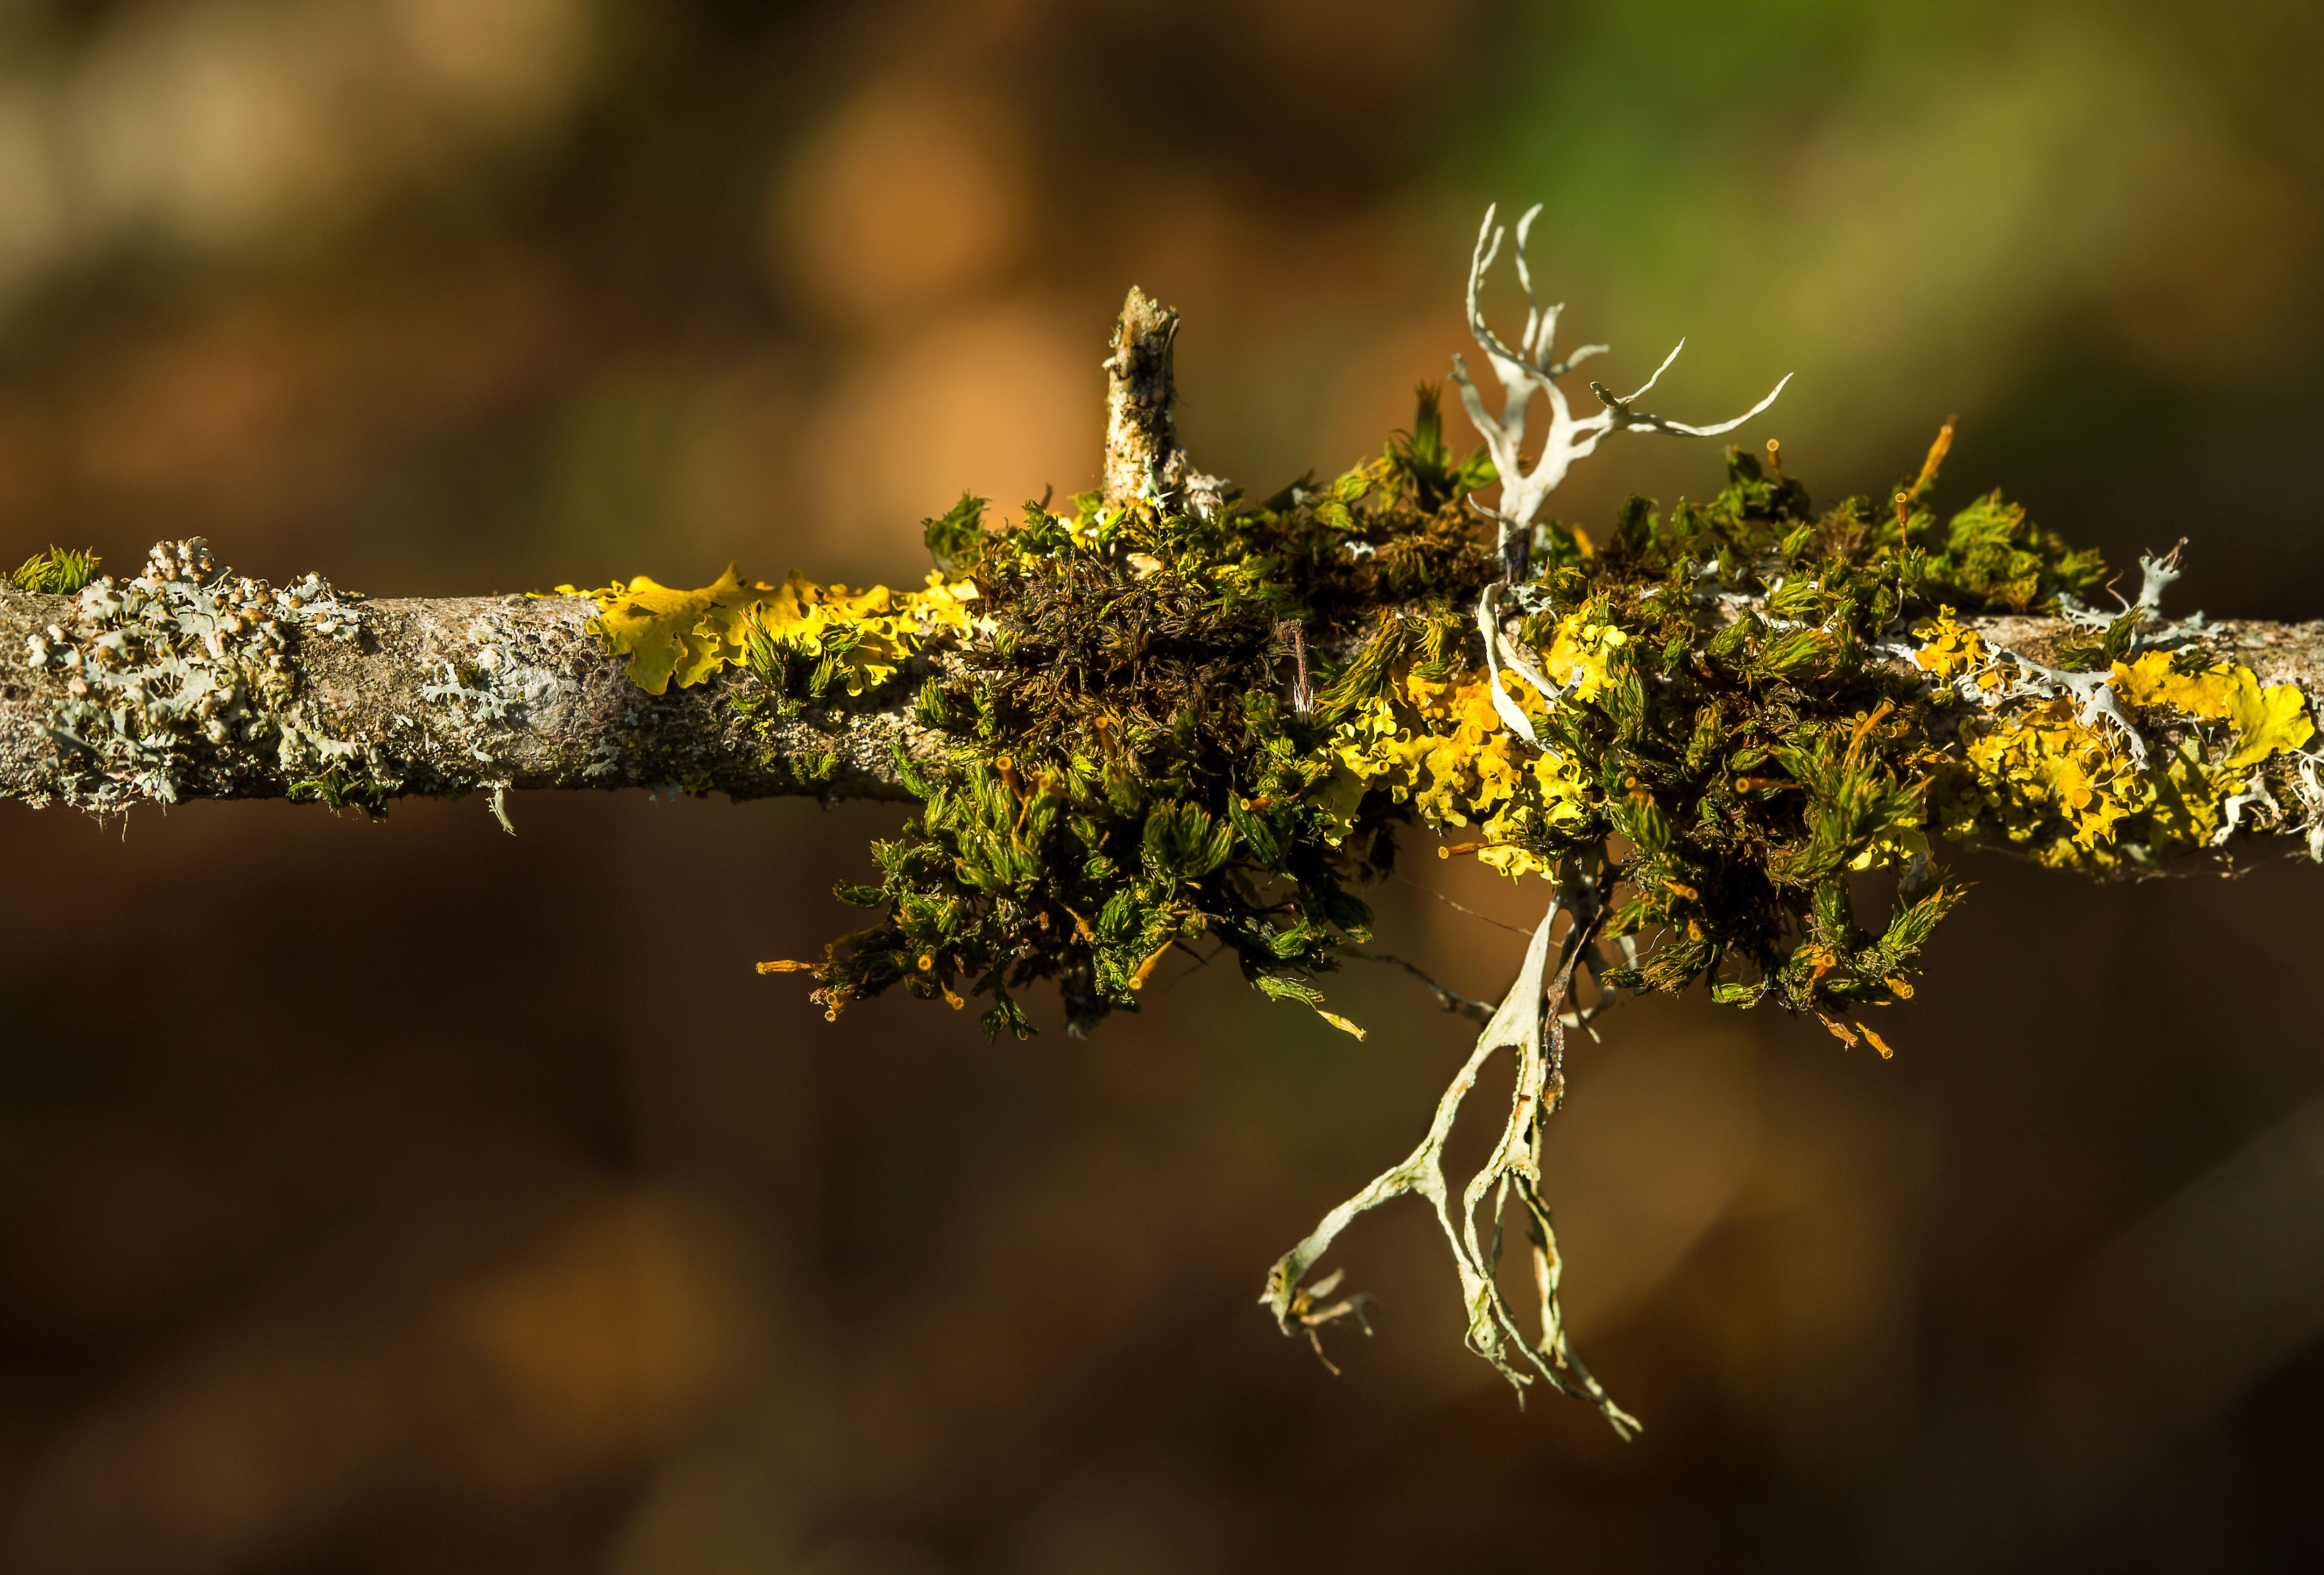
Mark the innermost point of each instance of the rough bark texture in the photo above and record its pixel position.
(571, 717)
(1141, 431)
(2275, 652)
(589, 726)
(454, 696)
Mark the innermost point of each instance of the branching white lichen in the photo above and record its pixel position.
(1513, 1170)
(1533, 367)
(1532, 1028)
(2156, 575)
(184, 660)
(1502, 652)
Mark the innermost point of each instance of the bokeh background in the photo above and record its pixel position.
(409, 1197)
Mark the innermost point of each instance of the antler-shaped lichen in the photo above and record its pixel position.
(1534, 1029)
(1522, 372)
(1532, 367)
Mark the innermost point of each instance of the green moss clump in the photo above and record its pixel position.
(58, 571)
(1995, 557)
(339, 789)
(1130, 769)
(1134, 763)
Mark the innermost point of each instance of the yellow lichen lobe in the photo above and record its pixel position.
(1947, 650)
(671, 633)
(2042, 779)
(684, 636)
(2266, 720)
(1579, 653)
(1438, 745)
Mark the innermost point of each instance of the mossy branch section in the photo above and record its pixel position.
(596, 729)
(439, 697)
(1166, 714)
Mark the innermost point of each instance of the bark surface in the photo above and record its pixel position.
(445, 697)
(559, 712)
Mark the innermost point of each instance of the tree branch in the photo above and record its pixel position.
(447, 697)
(443, 698)
(569, 716)
(1074, 847)
(1141, 393)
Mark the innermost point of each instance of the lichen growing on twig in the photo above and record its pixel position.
(1742, 694)
(1532, 1029)
(185, 661)
(1169, 713)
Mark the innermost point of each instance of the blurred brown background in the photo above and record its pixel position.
(407, 1197)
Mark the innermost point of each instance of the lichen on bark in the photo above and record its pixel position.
(1167, 713)
(441, 698)
(1745, 704)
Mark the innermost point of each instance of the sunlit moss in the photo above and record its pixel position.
(1158, 726)
(58, 571)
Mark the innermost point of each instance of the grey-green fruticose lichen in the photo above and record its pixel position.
(185, 654)
(189, 681)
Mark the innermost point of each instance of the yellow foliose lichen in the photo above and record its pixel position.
(671, 633)
(2266, 720)
(2076, 795)
(1579, 653)
(2047, 785)
(1438, 745)
(1947, 650)
(685, 636)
